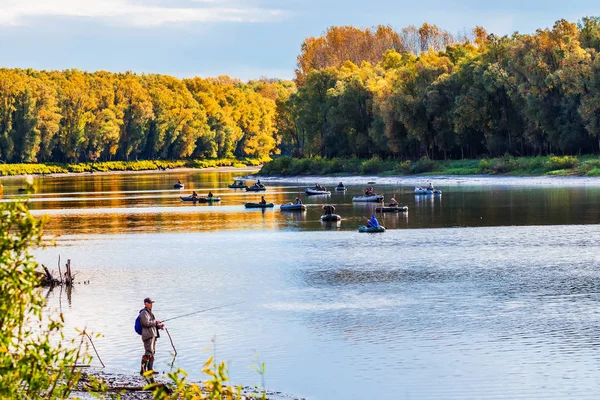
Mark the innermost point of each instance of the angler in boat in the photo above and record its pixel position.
(295, 206)
(328, 209)
(340, 187)
(372, 226)
(393, 202)
(261, 204)
(257, 187)
(369, 191)
(237, 185)
(372, 223)
(329, 215)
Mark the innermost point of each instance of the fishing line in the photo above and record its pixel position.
(201, 311)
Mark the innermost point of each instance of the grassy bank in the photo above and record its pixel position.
(518, 166)
(55, 168)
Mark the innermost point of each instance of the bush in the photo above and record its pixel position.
(593, 172)
(403, 168)
(371, 166)
(563, 162)
(423, 165)
(30, 366)
(30, 169)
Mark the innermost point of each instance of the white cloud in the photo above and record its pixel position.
(128, 12)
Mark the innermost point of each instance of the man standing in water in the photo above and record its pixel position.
(150, 326)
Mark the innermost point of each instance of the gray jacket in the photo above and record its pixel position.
(148, 322)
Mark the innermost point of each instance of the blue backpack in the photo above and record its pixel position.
(138, 324)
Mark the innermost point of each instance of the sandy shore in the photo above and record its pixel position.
(243, 170)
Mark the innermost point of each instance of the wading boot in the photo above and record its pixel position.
(151, 365)
(144, 367)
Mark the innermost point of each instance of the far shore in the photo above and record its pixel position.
(245, 169)
(437, 180)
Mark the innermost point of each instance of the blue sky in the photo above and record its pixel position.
(244, 39)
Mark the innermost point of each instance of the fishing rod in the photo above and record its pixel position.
(201, 311)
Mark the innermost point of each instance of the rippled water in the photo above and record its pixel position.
(499, 302)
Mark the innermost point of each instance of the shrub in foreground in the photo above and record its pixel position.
(31, 367)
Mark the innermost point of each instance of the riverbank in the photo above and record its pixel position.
(124, 166)
(504, 166)
(443, 181)
(22, 170)
(131, 387)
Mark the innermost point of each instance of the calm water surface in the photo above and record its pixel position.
(499, 302)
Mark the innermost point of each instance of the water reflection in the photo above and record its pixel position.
(147, 202)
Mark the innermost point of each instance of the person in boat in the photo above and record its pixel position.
(258, 183)
(329, 209)
(298, 201)
(194, 195)
(150, 327)
(210, 195)
(262, 201)
(340, 185)
(373, 223)
(393, 202)
(430, 186)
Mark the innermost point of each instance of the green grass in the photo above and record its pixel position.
(106, 166)
(507, 165)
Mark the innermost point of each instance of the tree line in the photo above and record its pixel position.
(425, 93)
(419, 92)
(74, 116)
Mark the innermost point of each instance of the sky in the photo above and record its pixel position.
(244, 39)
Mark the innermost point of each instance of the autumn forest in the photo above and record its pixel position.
(408, 94)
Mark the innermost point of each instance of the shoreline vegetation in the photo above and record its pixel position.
(502, 166)
(123, 166)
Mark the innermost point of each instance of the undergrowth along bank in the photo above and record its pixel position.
(107, 166)
(507, 165)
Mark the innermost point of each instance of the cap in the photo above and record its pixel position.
(148, 300)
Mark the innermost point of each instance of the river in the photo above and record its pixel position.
(489, 291)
